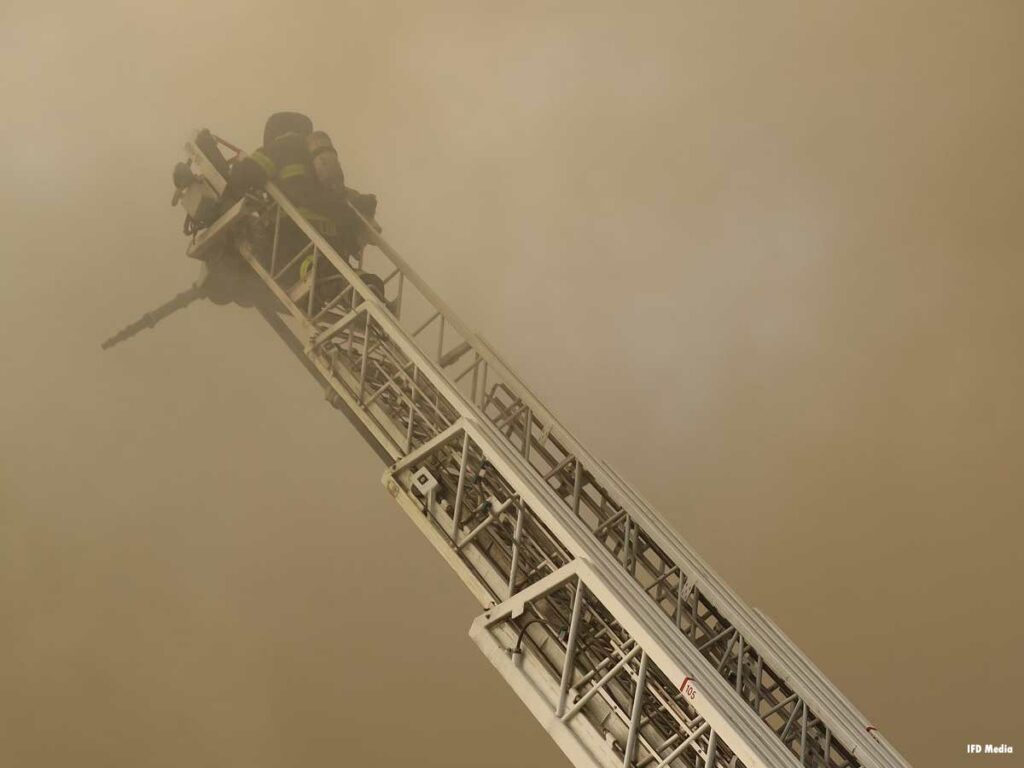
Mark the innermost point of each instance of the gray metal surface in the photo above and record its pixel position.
(623, 643)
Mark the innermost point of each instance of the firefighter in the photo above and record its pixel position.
(283, 159)
(290, 159)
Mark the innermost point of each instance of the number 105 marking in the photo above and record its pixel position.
(688, 690)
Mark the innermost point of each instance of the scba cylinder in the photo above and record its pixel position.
(325, 161)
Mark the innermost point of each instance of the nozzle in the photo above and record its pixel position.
(150, 319)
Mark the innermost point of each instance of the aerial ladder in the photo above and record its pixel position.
(622, 642)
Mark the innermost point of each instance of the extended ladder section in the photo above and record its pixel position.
(622, 642)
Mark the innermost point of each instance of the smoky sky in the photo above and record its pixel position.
(765, 259)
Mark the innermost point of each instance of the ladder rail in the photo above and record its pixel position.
(848, 723)
(463, 553)
(547, 450)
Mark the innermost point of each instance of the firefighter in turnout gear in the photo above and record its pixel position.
(284, 159)
(291, 156)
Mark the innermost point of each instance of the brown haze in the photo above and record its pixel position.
(765, 258)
